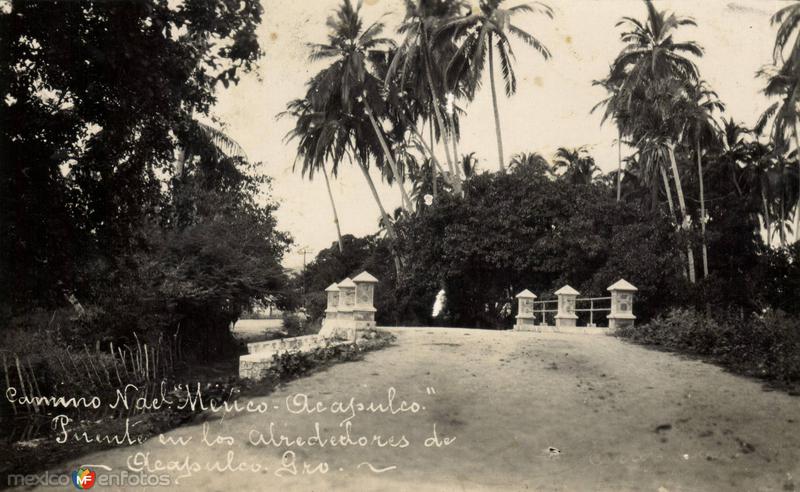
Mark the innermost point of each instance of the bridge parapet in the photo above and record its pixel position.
(567, 310)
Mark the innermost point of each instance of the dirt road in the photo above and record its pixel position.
(528, 411)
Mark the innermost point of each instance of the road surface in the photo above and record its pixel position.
(528, 411)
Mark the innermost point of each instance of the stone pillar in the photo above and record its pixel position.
(621, 314)
(331, 311)
(525, 316)
(347, 302)
(566, 317)
(364, 310)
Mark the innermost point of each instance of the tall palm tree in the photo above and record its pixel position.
(786, 84)
(782, 117)
(318, 141)
(650, 76)
(481, 34)
(615, 110)
(702, 128)
(351, 48)
(416, 68)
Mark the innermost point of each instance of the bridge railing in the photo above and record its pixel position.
(568, 310)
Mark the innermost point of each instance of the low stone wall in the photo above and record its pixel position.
(258, 362)
(293, 344)
(259, 359)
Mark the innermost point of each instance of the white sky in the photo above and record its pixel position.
(551, 107)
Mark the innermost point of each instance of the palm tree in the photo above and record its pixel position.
(481, 34)
(414, 69)
(350, 48)
(615, 110)
(577, 165)
(702, 127)
(789, 19)
(222, 145)
(733, 154)
(650, 78)
(319, 140)
(782, 116)
(785, 83)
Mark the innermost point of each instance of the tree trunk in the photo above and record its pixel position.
(782, 223)
(180, 163)
(494, 105)
(433, 161)
(425, 149)
(440, 121)
(682, 203)
(452, 123)
(797, 206)
(407, 205)
(619, 165)
(767, 221)
(386, 220)
(333, 207)
(668, 191)
(702, 209)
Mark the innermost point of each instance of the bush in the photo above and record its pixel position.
(524, 230)
(296, 325)
(766, 346)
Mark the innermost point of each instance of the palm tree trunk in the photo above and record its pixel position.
(425, 149)
(440, 121)
(390, 230)
(494, 106)
(180, 163)
(682, 203)
(797, 207)
(668, 191)
(767, 221)
(702, 209)
(333, 207)
(407, 205)
(433, 161)
(451, 122)
(782, 218)
(619, 165)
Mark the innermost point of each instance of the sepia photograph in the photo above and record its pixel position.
(400, 245)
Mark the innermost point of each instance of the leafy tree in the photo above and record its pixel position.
(522, 230)
(98, 95)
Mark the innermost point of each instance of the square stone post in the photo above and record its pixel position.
(566, 317)
(344, 312)
(525, 316)
(331, 311)
(621, 314)
(364, 309)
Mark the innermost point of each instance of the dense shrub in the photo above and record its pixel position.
(296, 325)
(765, 345)
(524, 230)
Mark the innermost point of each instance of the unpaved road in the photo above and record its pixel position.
(622, 418)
